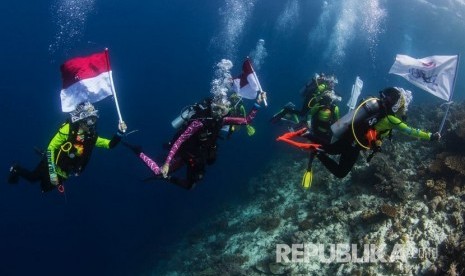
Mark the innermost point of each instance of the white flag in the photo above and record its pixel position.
(434, 74)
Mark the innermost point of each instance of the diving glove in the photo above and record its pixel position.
(250, 130)
(435, 136)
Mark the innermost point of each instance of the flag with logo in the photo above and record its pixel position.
(247, 84)
(434, 74)
(85, 79)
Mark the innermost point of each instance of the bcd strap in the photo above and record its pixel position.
(374, 142)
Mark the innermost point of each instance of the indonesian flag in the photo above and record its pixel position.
(434, 74)
(85, 79)
(247, 84)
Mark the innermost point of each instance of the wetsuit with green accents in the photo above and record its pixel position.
(322, 117)
(311, 92)
(386, 124)
(68, 152)
(349, 150)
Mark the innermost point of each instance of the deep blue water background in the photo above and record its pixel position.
(163, 55)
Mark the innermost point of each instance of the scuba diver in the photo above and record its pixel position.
(323, 114)
(237, 110)
(319, 84)
(365, 127)
(69, 150)
(195, 143)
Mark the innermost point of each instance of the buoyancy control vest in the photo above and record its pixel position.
(203, 142)
(74, 154)
(358, 121)
(322, 126)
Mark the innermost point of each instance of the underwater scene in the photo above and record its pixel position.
(233, 137)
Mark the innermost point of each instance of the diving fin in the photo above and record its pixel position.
(308, 175)
(13, 176)
(277, 117)
(307, 179)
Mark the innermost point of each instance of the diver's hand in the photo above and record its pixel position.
(262, 98)
(165, 169)
(435, 136)
(54, 179)
(122, 127)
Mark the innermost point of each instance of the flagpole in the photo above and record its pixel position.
(258, 83)
(450, 97)
(110, 73)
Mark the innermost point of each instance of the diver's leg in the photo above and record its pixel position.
(329, 163)
(183, 183)
(287, 109)
(195, 172)
(303, 110)
(346, 161)
(16, 171)
(44, 177)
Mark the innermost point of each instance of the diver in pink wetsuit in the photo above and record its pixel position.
(195, 144)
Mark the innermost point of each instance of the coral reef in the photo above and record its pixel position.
(410, 196)
(389, 210)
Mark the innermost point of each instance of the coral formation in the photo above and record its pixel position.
(389, 210)
(456, 163)
(409, 197)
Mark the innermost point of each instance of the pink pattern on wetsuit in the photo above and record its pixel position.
(197, 124)
(190, 130)
(150, 163)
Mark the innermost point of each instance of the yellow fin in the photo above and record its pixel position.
(307, 179)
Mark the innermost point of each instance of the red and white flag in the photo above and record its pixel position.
(434, 74)
(247, 84)
(85, 79)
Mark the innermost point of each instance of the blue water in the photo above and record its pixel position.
(163, 55)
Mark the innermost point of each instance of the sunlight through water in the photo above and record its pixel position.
(70, 18)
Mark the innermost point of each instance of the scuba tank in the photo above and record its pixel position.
(364, 111)
(202, 110)
(185, 115)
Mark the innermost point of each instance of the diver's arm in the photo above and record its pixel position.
(107, 143)
(397, 123)
(241, 120)
(59, 139)
(193, 127)
(153, 166)
(242, 111)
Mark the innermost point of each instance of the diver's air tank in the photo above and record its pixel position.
(365, 110)
(185, 115)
